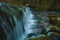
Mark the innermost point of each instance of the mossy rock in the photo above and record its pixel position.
(53, 35)
(41, 37)
(52, 29)
(58, 24)
(32, 39)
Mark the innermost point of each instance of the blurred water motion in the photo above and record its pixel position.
(23, 23)
(28, 20)
(10, 22)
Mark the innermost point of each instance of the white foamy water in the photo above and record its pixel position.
(28, 22)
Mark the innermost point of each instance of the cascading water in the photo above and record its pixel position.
(29, 21)
(11, 25)
(18, 29)
(9, 22)
(17, 33)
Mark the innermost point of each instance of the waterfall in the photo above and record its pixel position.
(9, 22)
(18, 29)
(12, 25)
(28, 20)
